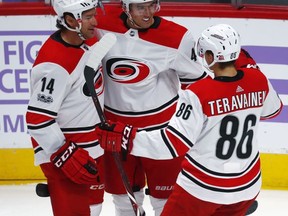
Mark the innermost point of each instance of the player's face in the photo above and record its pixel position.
(89, 23)
(142, 14)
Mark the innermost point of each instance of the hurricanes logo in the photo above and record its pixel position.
(125, 70)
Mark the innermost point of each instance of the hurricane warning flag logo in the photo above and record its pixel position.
(127, 70)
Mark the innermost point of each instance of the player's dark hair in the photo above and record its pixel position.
(59, 25)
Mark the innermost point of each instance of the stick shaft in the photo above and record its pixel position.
(89, 77)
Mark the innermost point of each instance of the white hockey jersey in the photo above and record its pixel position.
(61, 108)
(215, 125)
(142, 71)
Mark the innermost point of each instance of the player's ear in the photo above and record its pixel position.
(71, 21)
(209, 57)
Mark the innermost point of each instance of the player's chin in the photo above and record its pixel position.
(89, 34)
(145, 25)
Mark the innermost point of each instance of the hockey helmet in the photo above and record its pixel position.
(75, 7)
(126, 4)
(222, 40)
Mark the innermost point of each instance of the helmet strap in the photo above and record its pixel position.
(132, 21)
(77, 29)
(205, 64)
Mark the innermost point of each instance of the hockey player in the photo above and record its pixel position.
(142, 73)
(215, 126)
(61, 116)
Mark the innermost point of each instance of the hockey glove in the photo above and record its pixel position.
(116, 137)
(76, 164)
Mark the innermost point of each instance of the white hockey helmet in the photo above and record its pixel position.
(126, 4)
(222, 40)
(75, 7)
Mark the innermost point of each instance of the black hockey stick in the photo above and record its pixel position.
(97, 54)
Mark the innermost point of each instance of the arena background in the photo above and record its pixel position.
(25, 26)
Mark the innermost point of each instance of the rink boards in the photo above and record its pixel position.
(16, 167)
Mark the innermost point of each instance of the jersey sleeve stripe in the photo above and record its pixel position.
(273, 114)
(168, 144)
(155, 127)
(89, 145)
(175, 141)
(172, 130)
(78, 129)
(40, 126)
(38, 149)
(39, 110)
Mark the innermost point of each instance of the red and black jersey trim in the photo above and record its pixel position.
(40, 126)
(168, 144)
(38, 149)
(225, 190)
(156, 110)
(90, 145)
(78, 129)
(204, 169)
(158, 127)
(173, 130)
(39, 110)
(188, 81)
(272, 115)
(176, 142)
(221, 182)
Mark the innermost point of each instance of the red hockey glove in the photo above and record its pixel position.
(76, 164)
(116, 137)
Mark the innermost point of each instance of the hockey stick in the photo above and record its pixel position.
(97, 54)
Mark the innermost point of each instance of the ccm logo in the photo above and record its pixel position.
(66, 154)
(125, 137)
(97, 187)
